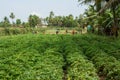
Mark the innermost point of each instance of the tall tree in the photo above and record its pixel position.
(34, 20)
(6, 22)
(97, 3)
(113, 4)
(12, 16)
(18, 22)
(51, 14)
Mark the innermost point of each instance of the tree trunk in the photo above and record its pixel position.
(115, 23)
(98, 5)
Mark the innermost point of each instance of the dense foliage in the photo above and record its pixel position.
(58, 57)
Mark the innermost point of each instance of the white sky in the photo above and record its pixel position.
(23, 8)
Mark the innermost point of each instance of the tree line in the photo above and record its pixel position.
(34, 20)
(101, 14)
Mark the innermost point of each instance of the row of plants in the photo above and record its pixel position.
(37, 55)
(96, 49)
(103, 52)
(106, 65)
(108, 45)
(55, 57)
(25, 57)
(78, 66)
(32, 65)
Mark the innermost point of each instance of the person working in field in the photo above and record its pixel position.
(66, 31)
(89, 28)
(57, 31)
(73, 32)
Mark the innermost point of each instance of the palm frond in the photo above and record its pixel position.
(85, 1)
(110, 3)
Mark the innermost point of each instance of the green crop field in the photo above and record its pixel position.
(59, 57)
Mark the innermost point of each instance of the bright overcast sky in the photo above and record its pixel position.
(23, 8)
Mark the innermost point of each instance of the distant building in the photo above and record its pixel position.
(44, 26)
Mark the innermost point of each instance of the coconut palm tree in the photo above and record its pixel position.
(97, 3)
(112, 4)
(12, 16)
(51, 14)
(6, 22)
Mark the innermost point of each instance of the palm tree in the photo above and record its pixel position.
(97, 3)
(51, 14)
(6, 22)
(12, 16)
(110, 3)
(113, 5)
